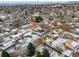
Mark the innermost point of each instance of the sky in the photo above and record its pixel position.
(32, 1)
(40, 0)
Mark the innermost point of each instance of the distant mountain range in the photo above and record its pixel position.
(13, 3)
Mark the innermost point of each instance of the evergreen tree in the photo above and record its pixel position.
(0, 20)
(5, 54)
(38, 19)
(46, 53)
(31, 49)
(73, 16)
(64, 5)
(38, 54)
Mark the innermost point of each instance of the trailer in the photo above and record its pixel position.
(7, 44)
